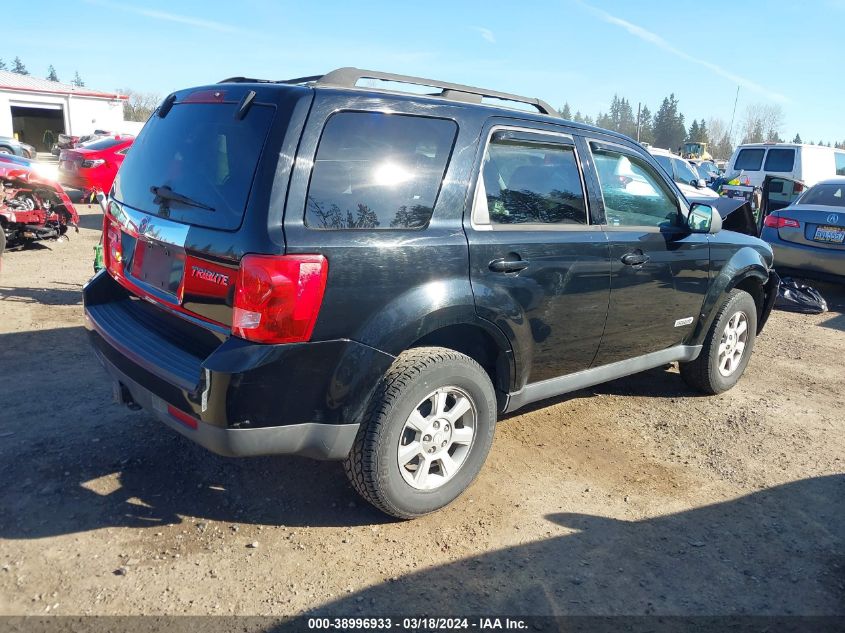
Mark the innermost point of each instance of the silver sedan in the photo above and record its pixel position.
(808, 236)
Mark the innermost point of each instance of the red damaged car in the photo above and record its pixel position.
(33, 206)
(93, 166)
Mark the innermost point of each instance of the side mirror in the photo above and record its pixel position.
(703, 218)
(699, 183)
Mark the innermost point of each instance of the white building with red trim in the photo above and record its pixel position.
(30, 106)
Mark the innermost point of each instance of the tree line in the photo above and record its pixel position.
(19, 68)
(667, 128)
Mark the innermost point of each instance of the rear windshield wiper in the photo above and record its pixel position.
(165, 193)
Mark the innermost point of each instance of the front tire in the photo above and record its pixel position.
(426, 434)
(727, 348)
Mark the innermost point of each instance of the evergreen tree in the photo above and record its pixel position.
(577, 117)
(669, 128)
(646, 126)
(566, 112)
(703, 134)
(51, 73)
(2, 64)
(797, 139)
(77, 80)
(18, 67)
(694, 132)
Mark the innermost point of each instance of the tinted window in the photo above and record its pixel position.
(104, 143)
(531, 183)
(683, 172)
(634, 194)
(830, 195)
(378, 171)
(780, 160)
(201, 151)
(840, 163)
(749, 159)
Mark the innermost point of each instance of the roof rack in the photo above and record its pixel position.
(349, 78)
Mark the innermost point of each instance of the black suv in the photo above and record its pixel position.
(371, 274)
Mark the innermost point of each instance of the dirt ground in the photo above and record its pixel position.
(633, 497)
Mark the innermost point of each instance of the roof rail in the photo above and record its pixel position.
(349, 78)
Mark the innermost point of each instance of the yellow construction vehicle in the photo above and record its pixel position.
(696, 151)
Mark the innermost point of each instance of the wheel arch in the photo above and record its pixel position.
(746, 270)
(483, 343)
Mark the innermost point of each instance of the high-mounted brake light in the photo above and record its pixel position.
(777, 222)
(278, 297)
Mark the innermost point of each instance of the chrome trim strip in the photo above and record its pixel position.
(149, 227)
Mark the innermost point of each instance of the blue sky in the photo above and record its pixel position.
(566, 50)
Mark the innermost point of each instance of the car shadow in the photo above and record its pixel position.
(91, 221)
(44, 296)
(777, 551)
(77, 462)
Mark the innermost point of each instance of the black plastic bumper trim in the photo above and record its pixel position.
(309, 439)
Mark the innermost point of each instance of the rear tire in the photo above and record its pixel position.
(727, 347)
(426, 433)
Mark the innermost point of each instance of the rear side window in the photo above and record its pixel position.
(531, 183)
(749, 159)
(378, 171)
(201, 151)
(780, 160)
(840, 163)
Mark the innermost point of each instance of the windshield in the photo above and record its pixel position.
(199, 151)
(828, 195)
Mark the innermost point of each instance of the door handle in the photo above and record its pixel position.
(635, 258)
(508, 265)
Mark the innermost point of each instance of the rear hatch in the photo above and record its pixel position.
(192, 196)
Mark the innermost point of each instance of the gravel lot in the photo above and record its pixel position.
(634, 497)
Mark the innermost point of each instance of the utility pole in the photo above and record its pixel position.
(731, 129)
(639, 106)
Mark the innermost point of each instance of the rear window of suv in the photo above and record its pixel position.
(780, 160)
(749, 159)
(378, 171)
(201, 151)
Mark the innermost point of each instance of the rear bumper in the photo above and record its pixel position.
(805, 259)
(232, 396)
(319, 441)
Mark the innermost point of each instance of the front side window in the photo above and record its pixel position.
(633, 192)
(749, 159)
(780, 160)
(378, 171)
(528, 182)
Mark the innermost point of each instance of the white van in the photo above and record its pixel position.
(806, 163)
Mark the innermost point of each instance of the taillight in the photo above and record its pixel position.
(777, 222)
(797, 187)
(88, 164)
(112, 247)
(277, 297)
